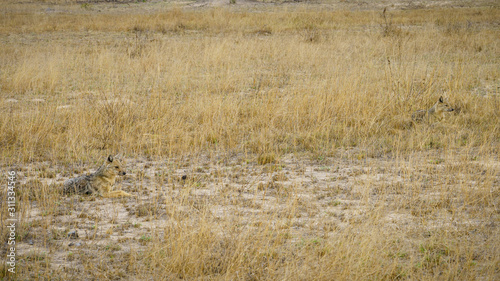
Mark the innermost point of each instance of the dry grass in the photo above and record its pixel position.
(292, 124)
(173, 82)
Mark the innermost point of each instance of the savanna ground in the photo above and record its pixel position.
(290, 120)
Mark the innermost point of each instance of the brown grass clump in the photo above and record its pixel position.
(291, 125)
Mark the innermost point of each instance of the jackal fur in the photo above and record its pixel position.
(437, 111)
(100, 182)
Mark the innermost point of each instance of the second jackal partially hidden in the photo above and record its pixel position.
(437, 111)
(101, 182)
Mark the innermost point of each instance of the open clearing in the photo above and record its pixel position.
(291, 122)
(297, 217)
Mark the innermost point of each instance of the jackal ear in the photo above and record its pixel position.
(110, 158)
(441, 99)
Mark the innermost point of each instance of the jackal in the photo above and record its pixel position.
(436, 111)
(101, 182)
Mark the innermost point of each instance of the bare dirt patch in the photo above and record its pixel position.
(309, 199)
(263, 141)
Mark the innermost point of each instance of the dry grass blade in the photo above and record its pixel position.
(260, 141)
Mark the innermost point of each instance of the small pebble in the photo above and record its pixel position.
(73, 234)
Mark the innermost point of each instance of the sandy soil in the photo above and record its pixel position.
(317, 197)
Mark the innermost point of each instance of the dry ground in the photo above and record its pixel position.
(290, 120)
(429, 215)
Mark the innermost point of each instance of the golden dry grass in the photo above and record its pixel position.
(276, 81)
(292, 123)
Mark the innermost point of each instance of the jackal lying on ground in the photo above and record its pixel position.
(436, 111)
(101, 182)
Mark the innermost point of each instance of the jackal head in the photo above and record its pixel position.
(441, 106)
(114, 166)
